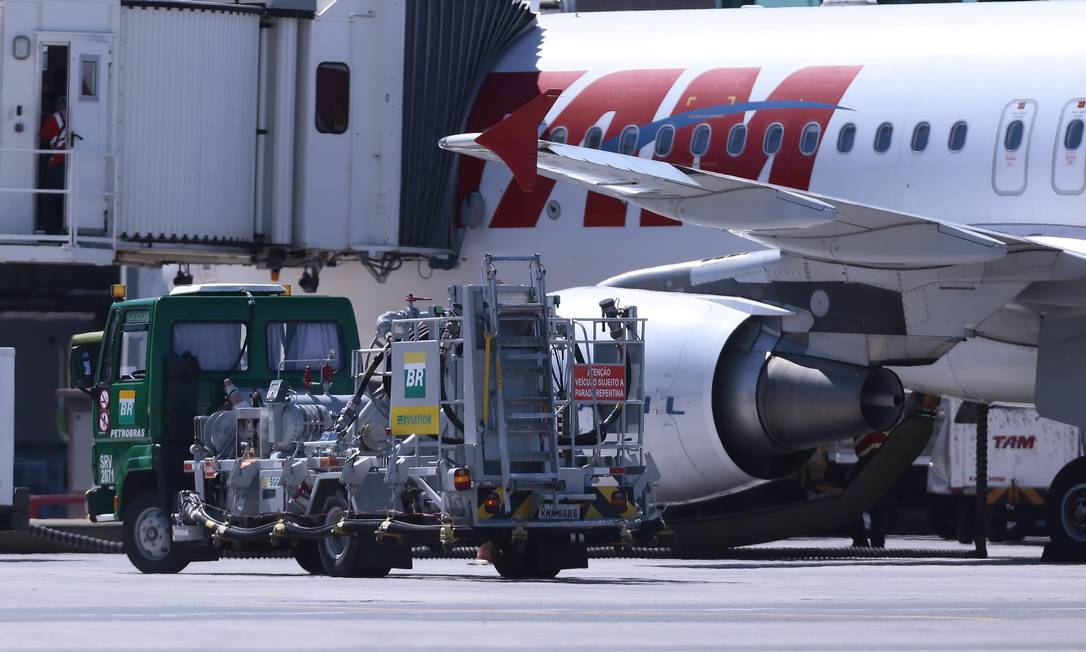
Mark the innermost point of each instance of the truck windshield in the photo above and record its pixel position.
(217, 346)
(298, 344)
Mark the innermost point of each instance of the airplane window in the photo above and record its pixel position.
(699, 142)
(665, 137)
(808, 140)
(845, 138)
(627, 142)
(774, 134)
(333, 97)
(558, 135)
(1073, 138)
(737, 139)
(883, 136)
(593, 137)
(957, 136)
(1012, 139)
(920, 137)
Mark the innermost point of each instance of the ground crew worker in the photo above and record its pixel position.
(54, 131)
(866, 446)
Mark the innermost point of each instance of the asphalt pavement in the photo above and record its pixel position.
(1010, 601)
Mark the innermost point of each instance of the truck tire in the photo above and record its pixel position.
(308, 556)
(344, 556)
(1065, 509)
(147, 536)
(520, 562)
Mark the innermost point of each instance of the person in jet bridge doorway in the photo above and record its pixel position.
(54, 131)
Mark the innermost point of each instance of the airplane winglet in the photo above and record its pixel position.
(514, 139)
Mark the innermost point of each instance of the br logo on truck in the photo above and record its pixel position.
(126, 407)
(415, 399)
(414, 371)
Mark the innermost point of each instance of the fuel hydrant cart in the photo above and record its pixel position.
(487, 421)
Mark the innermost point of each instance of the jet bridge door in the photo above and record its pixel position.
(1010, 162)
(90, 164)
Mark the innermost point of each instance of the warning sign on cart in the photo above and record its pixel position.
(599, 382)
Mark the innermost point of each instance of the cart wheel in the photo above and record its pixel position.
(308, 556)
(343, 555)
(520, 562)
(1065, 508)
(147, 537)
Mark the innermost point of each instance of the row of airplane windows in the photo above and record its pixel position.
(629, 138)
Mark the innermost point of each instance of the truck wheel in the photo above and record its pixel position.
(1065, 508)
(344, 556)
(520, 562)
(147, 537)
(308, 556)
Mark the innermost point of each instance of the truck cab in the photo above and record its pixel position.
(163, 361)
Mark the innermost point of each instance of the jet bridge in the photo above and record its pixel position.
(283, 132)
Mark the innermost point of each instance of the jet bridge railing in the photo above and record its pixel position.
(72, 196)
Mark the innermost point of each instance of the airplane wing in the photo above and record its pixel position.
(803, 223)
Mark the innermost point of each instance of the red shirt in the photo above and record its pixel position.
(55, 132)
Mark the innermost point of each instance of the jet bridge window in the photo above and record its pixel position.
(699, 142)
(558, 135)
(956, 141)
(774, 135)
(1012, 139)
(808, 140)
(665, 138)
(883, 137)
(333, 97)
(298, 344)
(846, 138)
(737, 139)
(627, 141)
(593, 137)
(920, 137)
(217, 346)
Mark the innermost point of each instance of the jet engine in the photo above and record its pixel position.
(726, 410)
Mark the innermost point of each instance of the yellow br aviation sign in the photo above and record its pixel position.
(416, 372)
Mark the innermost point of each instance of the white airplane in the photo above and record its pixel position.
(915, 174)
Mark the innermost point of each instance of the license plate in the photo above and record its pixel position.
(559, 512)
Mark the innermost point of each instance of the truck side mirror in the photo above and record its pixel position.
(81, 361)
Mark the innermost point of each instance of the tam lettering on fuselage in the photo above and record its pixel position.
(631, 109)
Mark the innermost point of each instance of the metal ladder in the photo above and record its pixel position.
(519, 327)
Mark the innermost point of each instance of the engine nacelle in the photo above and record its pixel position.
(724, 411)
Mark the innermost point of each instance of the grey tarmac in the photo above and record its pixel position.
(1010, 601)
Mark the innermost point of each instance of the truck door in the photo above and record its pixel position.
(1010, 162)
(88, 132)
(121, 392)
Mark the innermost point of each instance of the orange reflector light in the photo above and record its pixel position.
(617, 470)
(116, 503)
(462, 479)
(619, 500)
(118, 291)
(492, 503)
(329, 462)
